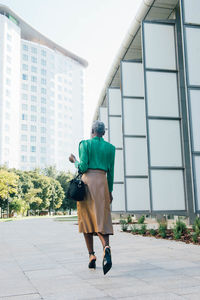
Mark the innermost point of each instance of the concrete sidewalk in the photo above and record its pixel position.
(47, 259)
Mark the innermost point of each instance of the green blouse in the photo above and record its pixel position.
(97, 154)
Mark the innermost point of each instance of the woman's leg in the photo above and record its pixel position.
(104, 239)
(89, 242)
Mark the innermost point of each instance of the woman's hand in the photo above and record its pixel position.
(72, 158)
(111, 197)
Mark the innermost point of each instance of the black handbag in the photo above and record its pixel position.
(76, 190)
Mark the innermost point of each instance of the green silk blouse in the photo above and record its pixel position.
(97, 154)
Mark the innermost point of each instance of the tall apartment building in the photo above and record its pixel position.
(41, 97)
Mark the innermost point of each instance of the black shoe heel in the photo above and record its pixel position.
(107, 261)
(92, 264)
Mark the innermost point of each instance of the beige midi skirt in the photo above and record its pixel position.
(94, 211)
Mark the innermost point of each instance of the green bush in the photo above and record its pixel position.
(195, 237)
(196, 226)
(162, 230)
(152, 232)
(180, 226)
(134, 229)
(176, 234)
(141, 220)
(143, 229)
(124, 225)
(129, 219)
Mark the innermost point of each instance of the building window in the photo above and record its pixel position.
(25, 57)
(33, 148)
(43, 120)
(33, 128)
(8, 81)
(24, 76)
(43, 129)
(43, 91)
(43, 62)
(24, 117)
(43, 100)
(8, 59)
(9, 49)
(43, 139)
(23, 137)
(25, 67)
(7, 139)
(23, 148)
(43, 81)
(24, 127)
(7, 128)
(24, 96)
(24, 86)
(43, 110)
(33, 108)
(33, 138)
(43, 53)
(33, 78)
(32, 159)
(43, 150)
(43, 72)
(25, 47)
(43, 160)
(33, 50)
(33, 98)
(34, 59)
(33, 88)
(8, 70)
(23, 158)
(33, 118)
(33, 69)
(24, 107)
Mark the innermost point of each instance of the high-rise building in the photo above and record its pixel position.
(41, 97)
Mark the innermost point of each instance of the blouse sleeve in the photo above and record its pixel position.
(83, 155)
(110, 173)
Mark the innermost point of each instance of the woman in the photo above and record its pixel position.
(96, 160)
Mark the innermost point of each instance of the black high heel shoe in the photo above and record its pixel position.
(92, 263)
(107, 261)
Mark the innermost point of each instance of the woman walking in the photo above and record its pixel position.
(94, 217)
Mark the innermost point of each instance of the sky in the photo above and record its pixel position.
(92, 29)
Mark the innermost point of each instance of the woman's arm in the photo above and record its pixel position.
(110, 173)
(83, 155)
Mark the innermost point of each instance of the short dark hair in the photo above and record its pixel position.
(98, 127)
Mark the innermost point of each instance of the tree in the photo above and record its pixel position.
(50, 171)
(64, 179)
(57, 194)
(8, 187)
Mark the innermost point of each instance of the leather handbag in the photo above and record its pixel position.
(76, 190)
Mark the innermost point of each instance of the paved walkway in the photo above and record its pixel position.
(47, 259)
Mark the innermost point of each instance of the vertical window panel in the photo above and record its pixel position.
(137, 194)
(165, 143)
(159, 46)
(193, 57)
(195, 113)
(168, 190)
(103, 115)
(134, 117)
(197, 180)
(118, 203)
(132, 79)
(115, 127)
(136, 157)
(119, 166)
(191, 11)
(162, 100)
(114, 101)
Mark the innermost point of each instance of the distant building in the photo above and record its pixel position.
(41, 97)
(151, 106)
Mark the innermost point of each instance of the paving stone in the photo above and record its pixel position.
(44, 259)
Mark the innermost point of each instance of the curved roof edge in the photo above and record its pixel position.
(31, 34)
(135, 25)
